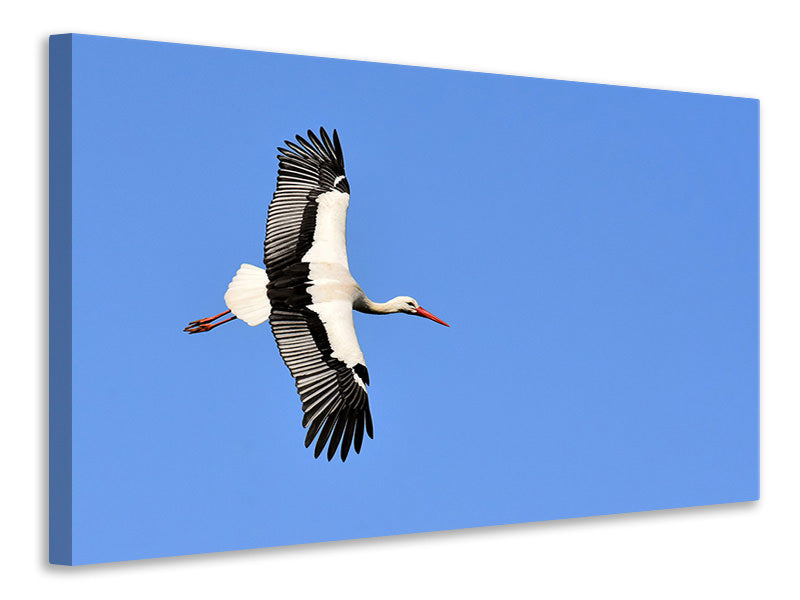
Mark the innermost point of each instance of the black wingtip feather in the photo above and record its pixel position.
(359, 432)
(312, 431)
(324, 434)
(327, 141)
(315, 140)
(338, 149)
(336, 436)
(347, 440)
(368, 418)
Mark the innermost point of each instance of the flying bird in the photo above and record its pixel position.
(308, 295)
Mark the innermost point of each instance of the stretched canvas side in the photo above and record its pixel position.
(61, 299)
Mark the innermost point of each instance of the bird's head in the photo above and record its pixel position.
(407, 304)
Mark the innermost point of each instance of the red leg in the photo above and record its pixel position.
(202, 325)
(209, 319)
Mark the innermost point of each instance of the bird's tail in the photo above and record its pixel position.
(247, 295)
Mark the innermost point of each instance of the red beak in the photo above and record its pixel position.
(424, 313)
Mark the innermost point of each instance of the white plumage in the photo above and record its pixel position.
(247, 295)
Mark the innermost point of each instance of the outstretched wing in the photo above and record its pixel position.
(318, 343)
(307, 171)
(312, 315)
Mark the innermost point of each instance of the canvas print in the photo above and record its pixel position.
(584, 257)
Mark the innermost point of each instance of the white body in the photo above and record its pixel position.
(334, 292)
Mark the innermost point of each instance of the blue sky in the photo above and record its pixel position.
(594, 248)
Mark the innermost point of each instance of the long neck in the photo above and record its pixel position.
(365, 305)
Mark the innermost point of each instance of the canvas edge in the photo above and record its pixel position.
(756, 103)
(60, 299)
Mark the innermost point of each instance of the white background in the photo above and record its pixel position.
(732, 48)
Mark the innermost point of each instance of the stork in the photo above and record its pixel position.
(308, 295)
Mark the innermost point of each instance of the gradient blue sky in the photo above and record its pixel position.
(595, 249)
